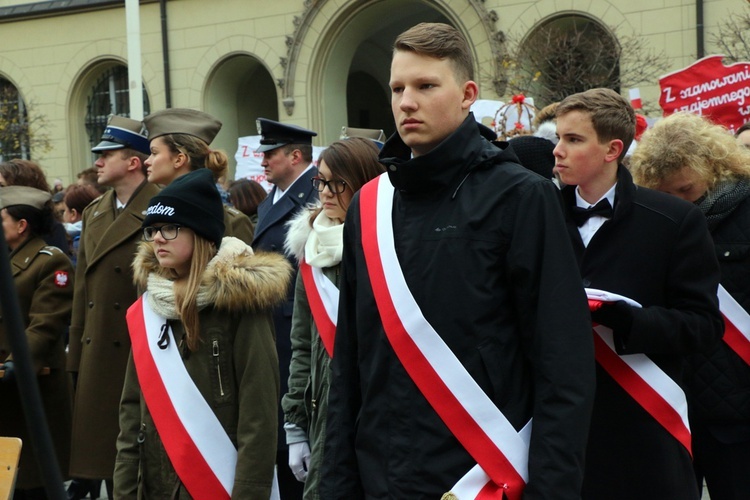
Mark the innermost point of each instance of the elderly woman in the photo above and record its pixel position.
(689, 157)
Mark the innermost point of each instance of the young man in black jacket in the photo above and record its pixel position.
(463, 358)
(655, 252)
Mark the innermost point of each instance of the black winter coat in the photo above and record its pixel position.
(482, 245)
(656, 250)
(719, 382)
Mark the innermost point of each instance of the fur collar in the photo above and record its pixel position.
(298, 231)
(236, 279)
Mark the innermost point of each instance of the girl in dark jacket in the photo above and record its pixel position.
(198, 410)
(315, 238)
(689, 157)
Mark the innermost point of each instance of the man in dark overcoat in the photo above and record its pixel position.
(288, 165)
(104, 289)
(651, 248)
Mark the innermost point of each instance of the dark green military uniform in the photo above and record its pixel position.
(43, 277)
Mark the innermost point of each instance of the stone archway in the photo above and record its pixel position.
(83, 128)
(239, 90)
(335, 45)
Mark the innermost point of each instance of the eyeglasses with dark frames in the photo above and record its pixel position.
(334, 186)
(168, 232)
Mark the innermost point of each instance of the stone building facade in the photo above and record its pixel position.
(320, 64)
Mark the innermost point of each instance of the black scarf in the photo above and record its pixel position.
(721, 201)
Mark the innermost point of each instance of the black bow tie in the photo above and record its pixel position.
(581, 215)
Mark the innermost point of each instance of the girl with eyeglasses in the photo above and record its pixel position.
(198, 415)
(315, 238)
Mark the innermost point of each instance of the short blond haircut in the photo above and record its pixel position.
(612, 117)
(688, 140)
(441, 41)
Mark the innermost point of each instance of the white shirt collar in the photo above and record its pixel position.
(278, 193)
(610, 195)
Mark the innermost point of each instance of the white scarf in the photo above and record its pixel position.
(161, 289)
(325, 244)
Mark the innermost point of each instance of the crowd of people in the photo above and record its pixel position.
(442, 315)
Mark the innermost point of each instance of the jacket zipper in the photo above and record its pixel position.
(218, 365)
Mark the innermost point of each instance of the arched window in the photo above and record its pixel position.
(108, 96)
(14, 123)
(567, 55)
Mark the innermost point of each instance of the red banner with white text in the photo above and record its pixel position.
(711, 89)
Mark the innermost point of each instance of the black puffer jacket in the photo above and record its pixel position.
(719, 382)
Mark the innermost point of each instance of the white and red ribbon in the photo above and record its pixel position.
(736, 325)
(197, 445)
(323, 298)
(642, 379)
(500, 451)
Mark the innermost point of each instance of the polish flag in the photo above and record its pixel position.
(635, 98)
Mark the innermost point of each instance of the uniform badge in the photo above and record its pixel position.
(61, 279)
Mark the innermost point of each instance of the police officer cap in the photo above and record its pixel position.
(182, 121)
(123, 133)
(275, 134)
(23, 195)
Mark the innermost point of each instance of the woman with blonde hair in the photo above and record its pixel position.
(315, 238)
(199, 403)
(180, 141)
(690, 157)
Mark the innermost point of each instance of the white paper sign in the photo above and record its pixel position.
(249, 162)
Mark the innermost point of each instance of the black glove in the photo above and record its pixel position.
(619, 317)
(10, 374)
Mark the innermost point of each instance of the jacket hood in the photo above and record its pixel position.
(298, 232)
(236, 279)
(465, 146)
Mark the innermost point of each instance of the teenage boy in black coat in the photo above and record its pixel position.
(656, 250)
(482, 247)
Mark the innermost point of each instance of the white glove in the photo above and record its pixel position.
(299, 460)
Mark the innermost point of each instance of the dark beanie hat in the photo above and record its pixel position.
(193, 201)
(534, 153)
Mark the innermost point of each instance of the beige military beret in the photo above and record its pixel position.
(23, 195)
(182, 121)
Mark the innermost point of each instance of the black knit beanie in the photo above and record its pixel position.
(193, 201)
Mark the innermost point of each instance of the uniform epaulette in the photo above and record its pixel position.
(233, 211)
(49, 250)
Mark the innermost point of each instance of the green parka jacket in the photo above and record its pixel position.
(235, 368)
(305, 405)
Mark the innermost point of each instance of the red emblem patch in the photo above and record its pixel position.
(61, 279)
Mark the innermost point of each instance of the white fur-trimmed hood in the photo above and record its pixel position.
(298, 231)
(236, 279)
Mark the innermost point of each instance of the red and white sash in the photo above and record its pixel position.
(736, 325)
(500, 451)
(641, 378)
(197, 445)
(323, 298)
